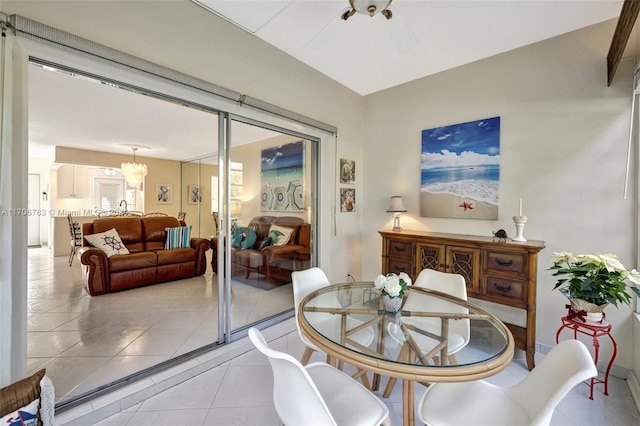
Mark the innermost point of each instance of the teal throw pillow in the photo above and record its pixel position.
(244, 238)
(178, 237)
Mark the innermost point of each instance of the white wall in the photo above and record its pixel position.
(563, 140)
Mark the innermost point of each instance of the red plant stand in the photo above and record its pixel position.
(595, 331)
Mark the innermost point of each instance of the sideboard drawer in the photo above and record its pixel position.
(505, 290)
(505, 262)
(400, 248)
(396, 266)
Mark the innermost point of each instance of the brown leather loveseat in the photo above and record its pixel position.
(270, 263)
(148, 262)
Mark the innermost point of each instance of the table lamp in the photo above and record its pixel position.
(396, 207)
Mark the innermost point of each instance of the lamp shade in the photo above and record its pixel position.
(396, 205)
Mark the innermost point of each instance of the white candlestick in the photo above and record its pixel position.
(520, 208)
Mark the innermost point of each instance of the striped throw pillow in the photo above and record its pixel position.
(179, 237)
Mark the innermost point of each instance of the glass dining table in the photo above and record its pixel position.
(434, 337)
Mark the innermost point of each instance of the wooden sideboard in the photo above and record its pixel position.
(498, 272)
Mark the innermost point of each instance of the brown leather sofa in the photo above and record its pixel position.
(147, 263)
(272, 264)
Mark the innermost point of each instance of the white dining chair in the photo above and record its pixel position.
(459, 330)
(531, 402)
(306, 281)
(318, 394)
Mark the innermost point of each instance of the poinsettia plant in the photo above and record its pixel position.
(392, 285)
(595, 278)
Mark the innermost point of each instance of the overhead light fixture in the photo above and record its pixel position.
(368, 7)
(396, 207)
(134, 173)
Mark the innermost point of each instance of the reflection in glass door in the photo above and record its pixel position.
(266, 196)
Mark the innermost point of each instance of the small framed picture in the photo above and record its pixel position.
(195, 194)
(164, 193)
(347, 171)
(347, 199)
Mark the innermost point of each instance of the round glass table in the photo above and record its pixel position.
(434, 337)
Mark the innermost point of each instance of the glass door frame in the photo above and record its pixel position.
(225, 120)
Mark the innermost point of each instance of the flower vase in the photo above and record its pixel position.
(391, 304)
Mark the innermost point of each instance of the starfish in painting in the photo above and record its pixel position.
(466, 206)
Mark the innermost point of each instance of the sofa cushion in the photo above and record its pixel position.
(178, 237)
(128, 228)
(128, 262)
(173, 256)
(153, 230)
(108, 241)
(280, 235)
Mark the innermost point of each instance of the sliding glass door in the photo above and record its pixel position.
(246, 185)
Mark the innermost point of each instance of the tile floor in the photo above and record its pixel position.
(85, 342)
(239, 392)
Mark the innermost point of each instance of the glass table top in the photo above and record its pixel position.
(432, 330)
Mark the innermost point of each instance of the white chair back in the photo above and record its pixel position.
(452, 284)
(566, 365)
(306, 281)
(296, 397)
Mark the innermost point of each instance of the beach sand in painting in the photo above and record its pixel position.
(448, 205)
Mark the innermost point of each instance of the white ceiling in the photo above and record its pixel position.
(81, 113)
(77, 112)
(360, 54)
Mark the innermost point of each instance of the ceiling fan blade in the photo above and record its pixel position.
(328, 31)
(403, 38)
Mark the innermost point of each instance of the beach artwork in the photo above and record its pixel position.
(460, 170)
(282, 176)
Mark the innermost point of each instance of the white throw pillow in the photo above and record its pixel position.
(25, 416)
(108, 241)
(280, 235)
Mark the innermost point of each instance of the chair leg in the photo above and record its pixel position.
(306, 356)
(452, 359)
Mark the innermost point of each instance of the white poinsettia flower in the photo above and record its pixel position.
(405, 277)
(589, 258)
(392, 286)
(379, 282)
(611, 262)
(634, 277)
(563, 256)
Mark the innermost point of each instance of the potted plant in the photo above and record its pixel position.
(593, 281)
(392, 288)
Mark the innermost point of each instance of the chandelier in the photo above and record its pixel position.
(134, 173)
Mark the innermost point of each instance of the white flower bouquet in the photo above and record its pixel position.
(392, 285)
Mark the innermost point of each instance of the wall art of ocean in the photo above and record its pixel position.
(478, 183)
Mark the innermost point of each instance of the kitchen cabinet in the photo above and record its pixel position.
(73, 181)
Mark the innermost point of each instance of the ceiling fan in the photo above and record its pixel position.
(401, 35)
(368, 7)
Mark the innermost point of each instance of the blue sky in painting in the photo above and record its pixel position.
(286, 156)
(464, 144)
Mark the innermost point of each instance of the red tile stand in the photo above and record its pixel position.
(595, 331)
